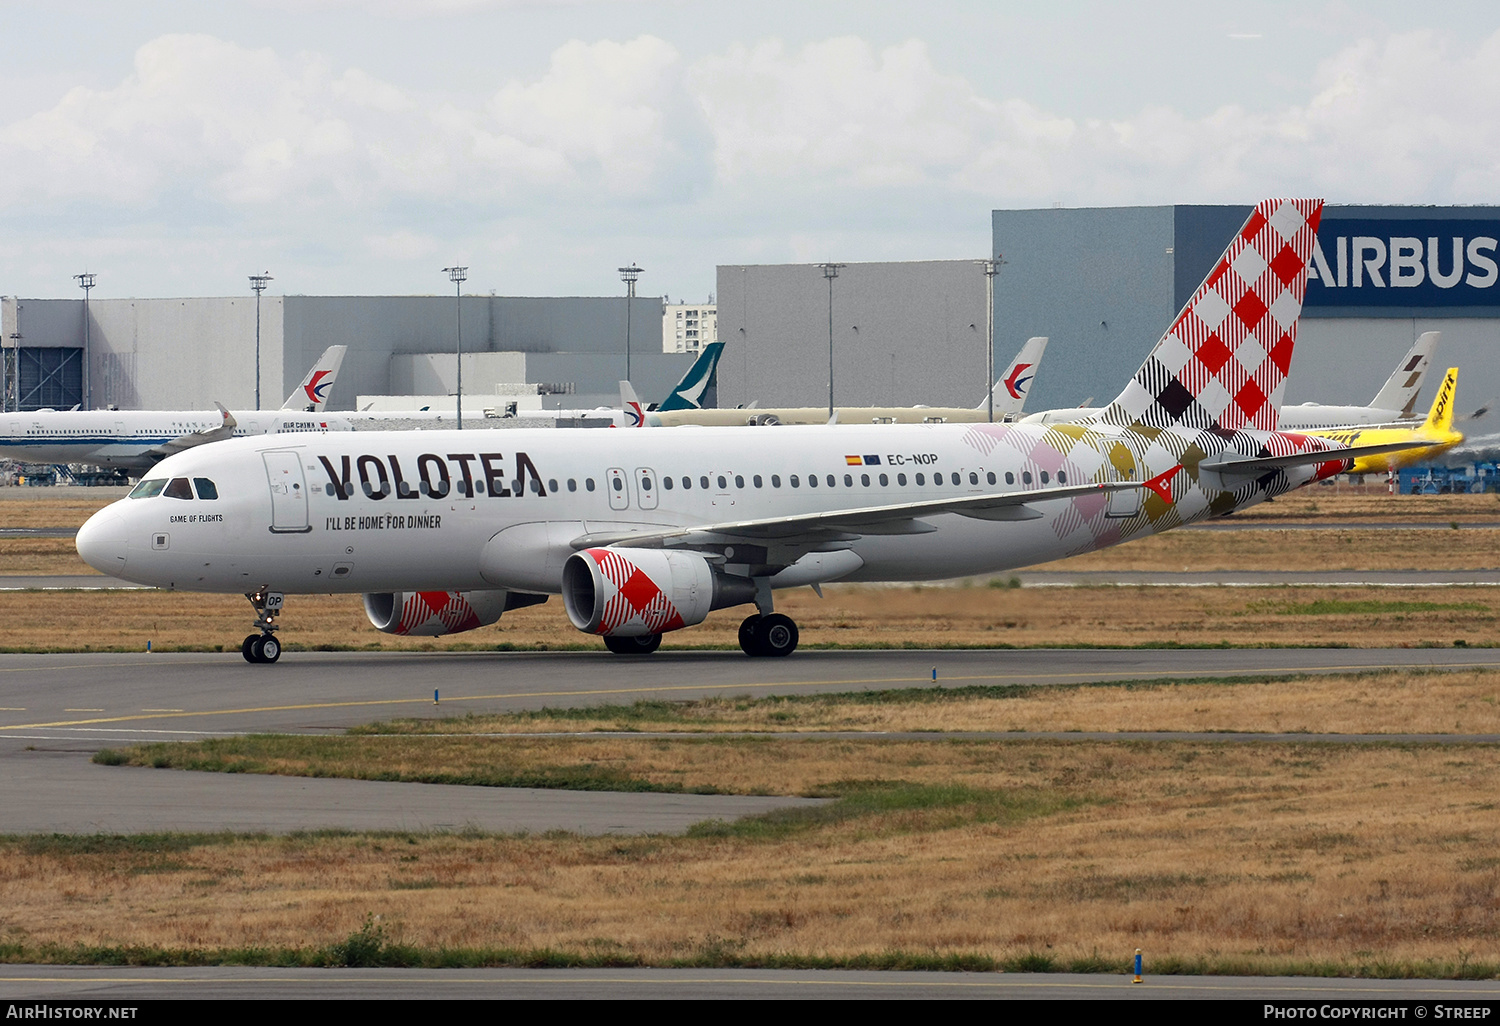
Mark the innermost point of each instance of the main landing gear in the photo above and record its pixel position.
(639, 644)
(772, 634)
(263, 647)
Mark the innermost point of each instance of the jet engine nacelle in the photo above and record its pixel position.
(635, 592)
(434, 613)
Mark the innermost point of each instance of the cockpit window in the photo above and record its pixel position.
(148, 489)
(206, 489)
(178, 489)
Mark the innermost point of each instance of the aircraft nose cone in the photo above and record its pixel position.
(101, 542)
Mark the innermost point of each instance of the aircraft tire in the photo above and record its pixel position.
(776, 635)
(247, 647)
(640, 644)
(748, 644)
(269, 649)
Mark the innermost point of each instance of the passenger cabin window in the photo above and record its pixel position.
(178, 488)
(1062, 477)
(588, 483)
(206, 489)
(148, 489)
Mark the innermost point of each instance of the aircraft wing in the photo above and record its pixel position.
(810, 532)
(181, 442)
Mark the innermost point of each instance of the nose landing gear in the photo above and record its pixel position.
(263, 647)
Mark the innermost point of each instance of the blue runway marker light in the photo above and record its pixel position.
(434, 696)
(934, 673)
(1137, 966)
(148, 646)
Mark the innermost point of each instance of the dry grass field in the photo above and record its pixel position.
(1459, 702)
(848, 616)
(1212, 857)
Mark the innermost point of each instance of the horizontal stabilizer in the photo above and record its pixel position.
(1235, 465)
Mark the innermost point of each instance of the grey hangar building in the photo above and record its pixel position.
(1102, 283)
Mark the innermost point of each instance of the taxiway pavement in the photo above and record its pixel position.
(107, 698)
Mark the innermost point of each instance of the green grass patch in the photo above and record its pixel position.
(366, 758)
(912, 806)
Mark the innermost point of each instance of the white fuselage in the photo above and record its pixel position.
(128, 438)
(365, 512)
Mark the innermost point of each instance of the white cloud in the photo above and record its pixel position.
(1409, 118)
(757, 150)
(231, 125)
(838, 108)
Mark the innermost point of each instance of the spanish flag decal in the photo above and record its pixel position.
(854, 461)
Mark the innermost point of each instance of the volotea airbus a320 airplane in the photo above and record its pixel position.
(138, 439)
(644, 532)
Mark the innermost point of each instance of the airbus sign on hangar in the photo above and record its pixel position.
(1103, 283)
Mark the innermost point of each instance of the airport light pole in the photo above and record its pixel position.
(628, 275)
(991, 268)
(830, 271)
(86, 282)
(13, 368)
(457, 275)
(258, 283)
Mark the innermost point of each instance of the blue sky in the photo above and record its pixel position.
(358, 146)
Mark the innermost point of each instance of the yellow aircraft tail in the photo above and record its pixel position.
(1440, 417)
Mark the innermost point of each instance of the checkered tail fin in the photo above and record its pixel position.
(1223, 362)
